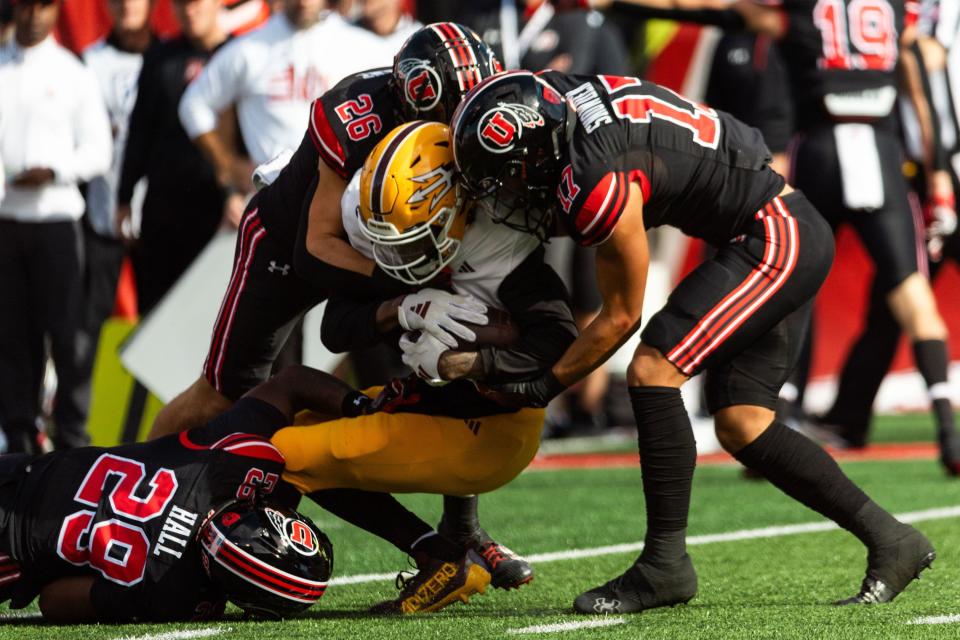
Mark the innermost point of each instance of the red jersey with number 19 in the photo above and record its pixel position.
(699, 170)
(129, 515)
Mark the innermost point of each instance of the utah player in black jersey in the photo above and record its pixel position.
(614, 156)
(843, 57)
(295, 221)
(123, 533)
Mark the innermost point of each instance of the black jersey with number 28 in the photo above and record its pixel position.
(699, 170)
(129, 515)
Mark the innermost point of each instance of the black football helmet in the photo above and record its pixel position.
(270, 561)
(436, 67)
(509, 136)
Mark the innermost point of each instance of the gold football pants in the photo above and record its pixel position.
(411, 452)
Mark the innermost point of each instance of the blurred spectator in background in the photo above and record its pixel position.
(6, 21)
(54, 133)
(184, 203)
(387, 19)
(115, 61)
(272, 75)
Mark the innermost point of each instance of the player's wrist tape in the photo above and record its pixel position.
(354, 404)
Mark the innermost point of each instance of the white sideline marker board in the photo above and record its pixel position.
(167, 350)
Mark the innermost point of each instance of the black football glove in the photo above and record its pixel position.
(355, 404)
(529, 393)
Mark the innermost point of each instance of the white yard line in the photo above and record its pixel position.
(180, 635)
(568, 626)
(940, 513)
(936, 619)
(21, 615)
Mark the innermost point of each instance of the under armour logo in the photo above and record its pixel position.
(602, 605)
(274, 267)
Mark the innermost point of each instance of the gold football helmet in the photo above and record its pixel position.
(410, 203)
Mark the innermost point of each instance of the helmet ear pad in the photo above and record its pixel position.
(269, 560)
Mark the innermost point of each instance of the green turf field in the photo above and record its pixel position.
(768, 587)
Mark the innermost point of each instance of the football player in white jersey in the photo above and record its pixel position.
(272, 75)
(404, 211)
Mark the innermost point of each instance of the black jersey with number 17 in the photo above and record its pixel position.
(129, 515)
(699, 170)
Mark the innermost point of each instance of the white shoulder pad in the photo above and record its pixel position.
(489, 253)
(350, 214)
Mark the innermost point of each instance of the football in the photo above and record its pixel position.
(500, 331)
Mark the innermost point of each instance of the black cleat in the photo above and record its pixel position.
(950, 454)
(507, 569)
(891, 568)
(641, 587)
(831, 435)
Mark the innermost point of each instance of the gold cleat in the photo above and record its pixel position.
(436, 585)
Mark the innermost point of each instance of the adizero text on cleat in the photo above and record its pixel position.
(892, 567)
(641, 587)
(436, 585)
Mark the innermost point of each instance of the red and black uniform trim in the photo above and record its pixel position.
(250, 235)
(241, 444)
(766, 278)
(260, 574)
(323, 136)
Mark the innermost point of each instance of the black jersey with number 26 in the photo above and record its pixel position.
(345, 124)
(129, 515)
(699, 170)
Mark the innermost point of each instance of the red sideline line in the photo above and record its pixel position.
(886, 451)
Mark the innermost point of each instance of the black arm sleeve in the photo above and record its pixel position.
(350, 324)
(247, 415)
(726, 19)
(537, 300)
(141, 128)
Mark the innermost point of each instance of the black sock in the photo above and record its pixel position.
(432, 545)
(931, 359)
(668, 456)
(460, 521)
(378, 513)
(807, 473)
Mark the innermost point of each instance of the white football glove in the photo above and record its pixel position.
(440, 313)
(943, 223)
(422, 354)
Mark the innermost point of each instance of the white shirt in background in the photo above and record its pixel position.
(51, 115)
(272, 75)
(117, 72)
(405, 28)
